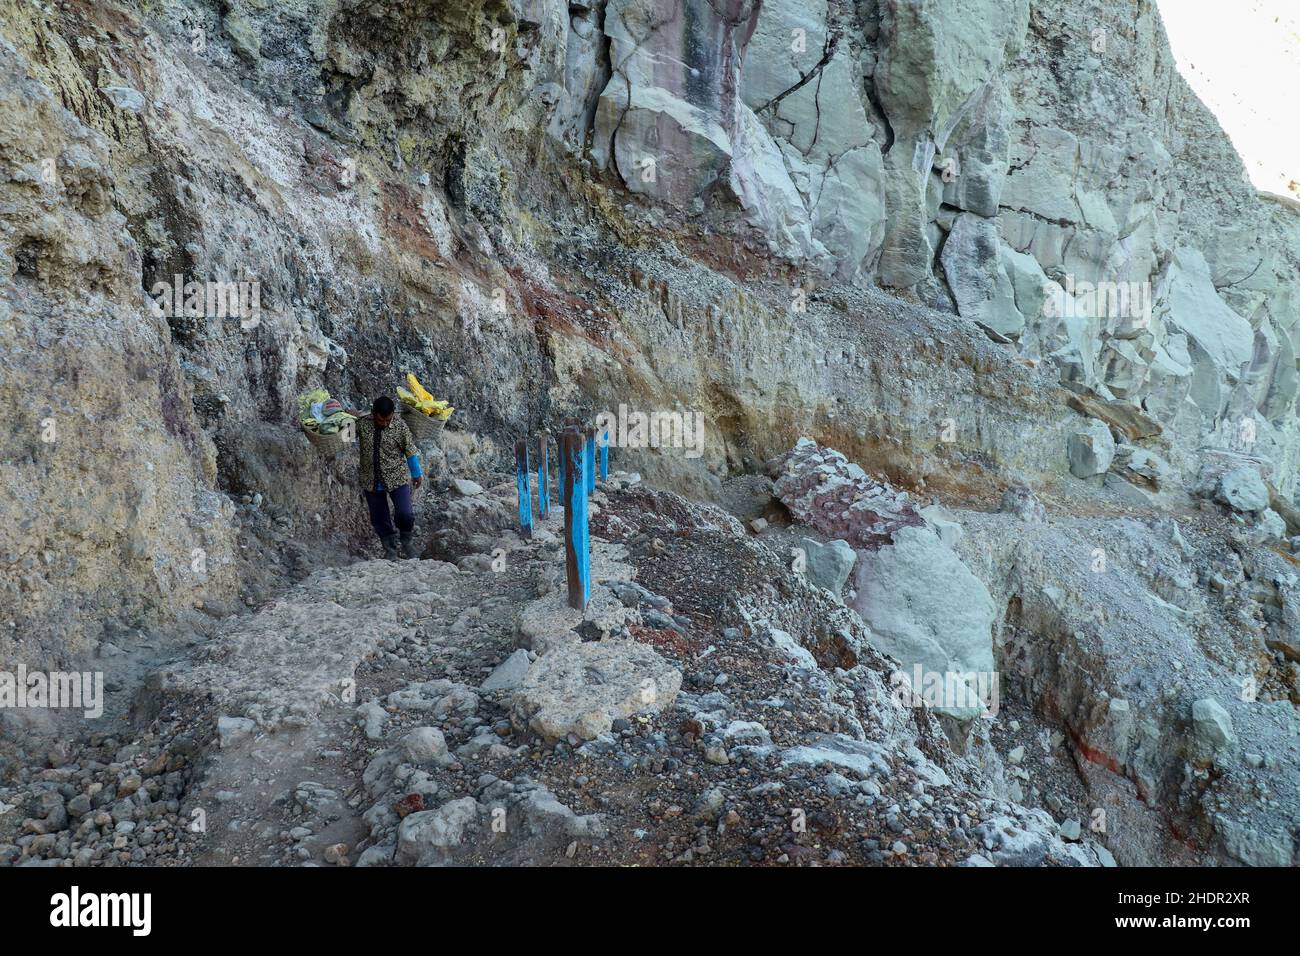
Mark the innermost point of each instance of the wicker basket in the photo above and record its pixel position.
(422, 426)
(329, 444)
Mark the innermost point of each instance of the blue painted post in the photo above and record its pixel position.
(559, 485)
(521, 485)
(604, 453)
(589, 466)
(577, 542)
(543, 467)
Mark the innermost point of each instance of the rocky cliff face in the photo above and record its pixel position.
(971, 246)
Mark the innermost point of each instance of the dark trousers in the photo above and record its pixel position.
(380, 518)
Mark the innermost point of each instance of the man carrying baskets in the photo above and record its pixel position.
(389, 467)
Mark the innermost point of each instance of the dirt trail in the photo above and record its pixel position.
(346, 722)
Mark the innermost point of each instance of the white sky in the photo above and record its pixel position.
(1242, 57)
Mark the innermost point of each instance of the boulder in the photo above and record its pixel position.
(1242, 489)
(1255, 847)
(924, 606)
(428, 837)
(1028, 282)
(1091, 449)
(231, 730)
(1020, 500)
(944, 523)
(836, 498)
(1284, 635)
(828, 565)
(544, 818)
(667, 119)
(788, 646)
(1191, 304)
(973, 267)
(1141, 465)
(424, 745)
(974, 178)
(509, 674)
(1125, 418)
(907, 252)
(1041, 180)
(466, 487)
(373, 719)
(1211, 726)
(1270, 527)
(582, 688)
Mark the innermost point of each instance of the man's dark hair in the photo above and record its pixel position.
(383, 406)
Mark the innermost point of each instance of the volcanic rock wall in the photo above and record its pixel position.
(879, 224)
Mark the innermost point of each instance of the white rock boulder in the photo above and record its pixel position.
(924, 606)
(582, 688)
(1091, 449)
(1242, 489)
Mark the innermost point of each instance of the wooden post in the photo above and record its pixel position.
(521, 485)
(543, 476)
(577, 544)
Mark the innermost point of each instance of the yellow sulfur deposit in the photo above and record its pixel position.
(418, 397)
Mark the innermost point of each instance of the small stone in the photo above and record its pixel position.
(231, 730)
(336, 853)
(424, 745)
(373, 719)
(1271, 527)
(124, 98)
(716, 754)
(509, 674)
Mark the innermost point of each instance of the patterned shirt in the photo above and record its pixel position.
(395, 446)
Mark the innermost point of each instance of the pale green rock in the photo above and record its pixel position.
(973, 268)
